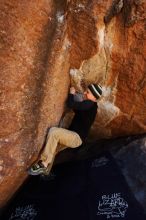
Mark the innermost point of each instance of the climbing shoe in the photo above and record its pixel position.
(37, 169)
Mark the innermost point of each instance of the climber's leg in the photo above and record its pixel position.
(61, 136)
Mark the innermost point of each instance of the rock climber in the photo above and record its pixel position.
(85, 112)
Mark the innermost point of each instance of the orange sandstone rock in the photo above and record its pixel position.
(40, 43)
(115, 58)
(34, 64)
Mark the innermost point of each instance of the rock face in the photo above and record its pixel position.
(108, 47)
(41, 42)
(34, 83)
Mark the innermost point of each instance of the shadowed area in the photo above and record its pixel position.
(87, 189)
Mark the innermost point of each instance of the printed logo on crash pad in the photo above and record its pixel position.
(24, 213)
(112, 206)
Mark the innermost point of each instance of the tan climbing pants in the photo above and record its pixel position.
(58, 139)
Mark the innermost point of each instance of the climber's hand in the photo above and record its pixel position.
(72, 90)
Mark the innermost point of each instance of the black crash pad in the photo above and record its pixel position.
(91, 189)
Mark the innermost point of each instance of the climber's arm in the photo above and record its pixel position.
(75, 105)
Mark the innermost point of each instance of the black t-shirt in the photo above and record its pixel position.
(85, 113)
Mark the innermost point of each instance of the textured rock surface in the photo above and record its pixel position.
(40, 43)
(34, 83)
(108, 47)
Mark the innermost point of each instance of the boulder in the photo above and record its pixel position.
(44, 43)
(34, 83)
(108, 47)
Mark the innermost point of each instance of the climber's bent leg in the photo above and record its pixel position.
(61, 136)
(56, 136)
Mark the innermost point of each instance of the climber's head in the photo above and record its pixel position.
(93, 92)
